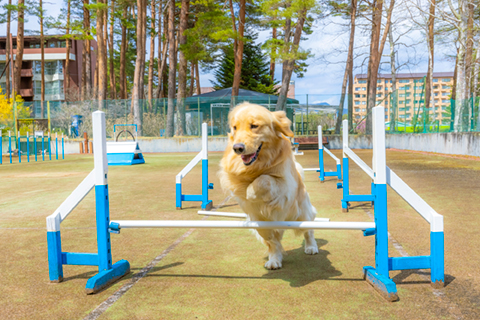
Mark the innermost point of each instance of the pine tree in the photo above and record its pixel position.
(255, 68)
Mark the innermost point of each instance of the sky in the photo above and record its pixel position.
(323, 80)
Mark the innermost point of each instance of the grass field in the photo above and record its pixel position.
(219, 274)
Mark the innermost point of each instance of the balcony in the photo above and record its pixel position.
(26, 73)
(26, 92)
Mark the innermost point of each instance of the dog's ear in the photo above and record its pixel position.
(281, 123)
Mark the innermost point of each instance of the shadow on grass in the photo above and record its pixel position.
(401, 278)
(298, 269)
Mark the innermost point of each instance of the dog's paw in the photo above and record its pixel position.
(273, 264)
(251, 195)
(311, 250)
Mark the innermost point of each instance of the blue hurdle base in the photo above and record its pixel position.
(124, 159)
(385, 286)
(104, 278)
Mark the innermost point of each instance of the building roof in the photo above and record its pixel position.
(243, 93)
(406, 75)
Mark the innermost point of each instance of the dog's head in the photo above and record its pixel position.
(257, 136)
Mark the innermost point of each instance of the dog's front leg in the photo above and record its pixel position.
(263, 188)
(272, 239)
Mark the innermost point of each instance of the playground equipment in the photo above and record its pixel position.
(349, 154)
(321, 167)
(39, 144)
(378, 276)
(124, 153)
(201, 156)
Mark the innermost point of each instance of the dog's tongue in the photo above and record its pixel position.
(247, 157)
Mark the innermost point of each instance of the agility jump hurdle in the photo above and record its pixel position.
(378, 276)
(241, 215)
(201, 156)
(29, 141)
(349, 154)
(321, 167)
(124, 153)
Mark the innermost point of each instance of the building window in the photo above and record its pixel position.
(446, 80)
(418, 94)
(357, 117)
(435, 87)
(435, 94)
(362, 81)
(444, 108)
(418, 80)
(363, 110)
(379, 88)
(445, 87)
(364, 102)
(418, 88)
(364, 95)
(357, 96)
(386, 117)
(357, 109)
(379, 81)
(435, 80)
(408, 101)
(404, 81)
(445, 101)
(404, 88)
(357, 102)
(379, 95)
(445, 94)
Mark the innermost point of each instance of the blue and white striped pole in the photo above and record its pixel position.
(19, 151)
(10, 145)
(43, 147)
(49, 147)
(56, 146)
(320, 154)
(206, 204)
(63, 150)
(28, 147)
(35, 146)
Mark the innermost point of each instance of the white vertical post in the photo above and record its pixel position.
(100, 148)
(345, 135)
(320, 137)
(204, 141)
(379, 154)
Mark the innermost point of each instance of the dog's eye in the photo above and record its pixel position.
(234, 127)
(253, 126)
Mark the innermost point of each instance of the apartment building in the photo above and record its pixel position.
(410, 88)
(55, 56)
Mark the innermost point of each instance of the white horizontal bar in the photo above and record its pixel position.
(189, 167)
(307, 225)
(415, 201)
(332, 155)
(311, 169)
(241, 215)
(359, 162)
(54, 220)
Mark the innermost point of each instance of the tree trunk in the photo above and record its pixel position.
(139, 70)
(394, 101)
(42, 64)
(7, 76)
(376, 50)
(105, 40)
(289, 64)
(197, 75)
(238, 50)
(476, 74)
(123, 53)
(67, 60)
(182, 69)
(272, 60)
(430, 43)
(349, 65)
(113, 86)
(152, 55)
(192, 78)
(19, 54)
(87, 49)
(461, 93)
(101, 63)
(172, 69)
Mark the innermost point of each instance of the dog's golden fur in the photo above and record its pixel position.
(271, 187)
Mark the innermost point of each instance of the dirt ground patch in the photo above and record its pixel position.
(215, 274)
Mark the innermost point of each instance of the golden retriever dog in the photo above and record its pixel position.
(259, 169)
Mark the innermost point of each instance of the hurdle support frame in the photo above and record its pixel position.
(203, 157)
(349, 154)
(377, 276)
(107, 271)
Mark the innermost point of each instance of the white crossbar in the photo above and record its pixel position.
(54, 220)
(311, 169)
(307, 225)
(241, 215)
(415, 201)
(358, 161)
(332, 155)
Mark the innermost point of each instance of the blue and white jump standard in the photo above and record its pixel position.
(348, 153)
(321, 166)
(201, 156)
(107, 272)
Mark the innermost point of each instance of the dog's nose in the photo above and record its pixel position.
(239, 148)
